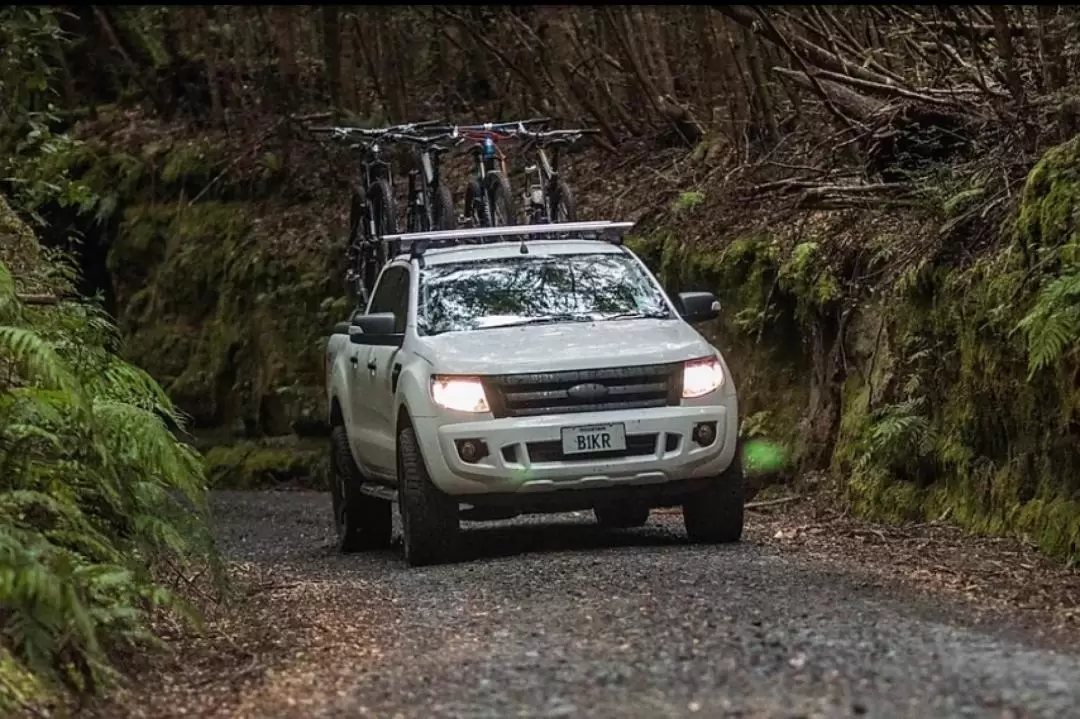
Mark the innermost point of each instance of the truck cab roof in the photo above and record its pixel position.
(565, 238)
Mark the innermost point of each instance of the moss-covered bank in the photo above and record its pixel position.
(932, 384)
(224, 266)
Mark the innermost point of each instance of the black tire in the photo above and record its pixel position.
(357, 214)
(430, 526)
(563, 204)
(415, 221)
(715, 515)
(443, 211)
(498, 193)
(362, 522)
(475, 208)
(383, 206)
(384, 210)
(621, 516)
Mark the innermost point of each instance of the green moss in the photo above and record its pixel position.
(947, 409)
(1051, 195)
(249, 464)
(18, 687)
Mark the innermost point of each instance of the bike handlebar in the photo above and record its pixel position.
(497, 126)
(346, 131)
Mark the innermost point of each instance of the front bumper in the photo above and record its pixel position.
(525, 456)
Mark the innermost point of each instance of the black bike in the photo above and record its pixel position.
(549, 199)
(487, 195)
(431, 203)
(372, 207)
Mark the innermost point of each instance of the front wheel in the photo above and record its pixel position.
(362, 522)
(383, 208)
(443, 211)
(563, 205)
(499, 203)
(430, 526)
(475, 207)
(715, 515)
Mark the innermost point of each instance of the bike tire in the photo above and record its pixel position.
(381, 204)
(563, 206)
(443, 211)
(357, 215)
(498, 191)
(381, 197)
(475, 207)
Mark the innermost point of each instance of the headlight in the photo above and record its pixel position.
(461, 395)
(701, 377)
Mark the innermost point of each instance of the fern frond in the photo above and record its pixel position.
(34, 356)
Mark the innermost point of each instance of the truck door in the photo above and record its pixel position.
(366, 395)
(384, 365)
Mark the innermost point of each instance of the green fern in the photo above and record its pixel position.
(1052, 326)
(95, 491)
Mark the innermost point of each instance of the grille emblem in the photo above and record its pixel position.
(587, 392)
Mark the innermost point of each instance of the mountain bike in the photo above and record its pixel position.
(372, 207)
(487, 195)
(430, 203)
(549, 199)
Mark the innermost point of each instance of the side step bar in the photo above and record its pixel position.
(468, 512)
(379, 491)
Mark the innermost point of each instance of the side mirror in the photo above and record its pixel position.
(375, 329)
(699, 306)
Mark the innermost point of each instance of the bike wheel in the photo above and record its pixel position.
(498, 192)
(357, 217)
(563, 204)
(383, 208)
(443, 211)
(384, 213)
(475, 207)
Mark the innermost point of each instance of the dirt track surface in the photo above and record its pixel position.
(814, 615)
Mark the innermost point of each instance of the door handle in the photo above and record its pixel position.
(371, 365)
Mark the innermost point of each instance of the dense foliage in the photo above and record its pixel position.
(885, 196)
(99, 503)
(101, 506)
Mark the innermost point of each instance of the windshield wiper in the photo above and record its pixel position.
(639, 315)
(543, 319)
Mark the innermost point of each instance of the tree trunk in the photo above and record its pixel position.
(217, 110)
(331, 47)
(348, 98)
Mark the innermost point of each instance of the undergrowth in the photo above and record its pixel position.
(101, 508)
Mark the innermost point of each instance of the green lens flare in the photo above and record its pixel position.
(760, 455)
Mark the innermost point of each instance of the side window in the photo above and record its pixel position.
(384, 299)
(392, 295)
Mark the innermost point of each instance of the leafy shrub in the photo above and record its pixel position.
(97, 499)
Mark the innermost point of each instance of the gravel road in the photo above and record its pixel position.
(553, 617)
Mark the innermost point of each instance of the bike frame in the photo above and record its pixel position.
(546, 169)
(425, 180)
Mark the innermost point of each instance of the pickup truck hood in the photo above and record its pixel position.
(564, 346)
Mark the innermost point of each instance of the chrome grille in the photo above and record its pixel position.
(597, 390)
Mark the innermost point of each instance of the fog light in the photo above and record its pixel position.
(704, 433)
(472, 450)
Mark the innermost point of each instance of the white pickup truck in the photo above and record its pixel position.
(527, 369)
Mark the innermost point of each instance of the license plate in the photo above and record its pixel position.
(593, 438)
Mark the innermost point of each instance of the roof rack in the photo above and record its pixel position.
(415, 243)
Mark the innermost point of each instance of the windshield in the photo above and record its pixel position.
(529, 289)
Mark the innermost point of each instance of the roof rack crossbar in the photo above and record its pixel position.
(414, 243)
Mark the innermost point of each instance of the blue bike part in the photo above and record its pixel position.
(489, 147)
